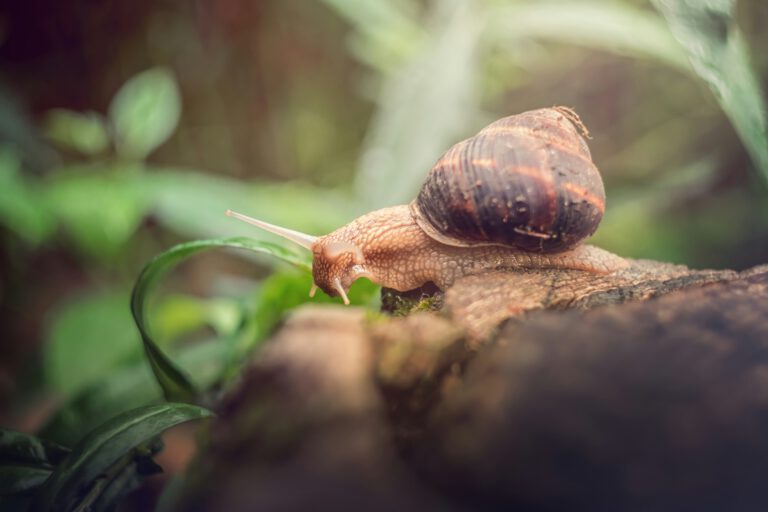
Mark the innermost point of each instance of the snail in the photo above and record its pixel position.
(523, 194)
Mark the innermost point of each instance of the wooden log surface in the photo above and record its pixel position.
(645, 390)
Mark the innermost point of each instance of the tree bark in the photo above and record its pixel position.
(531, 390)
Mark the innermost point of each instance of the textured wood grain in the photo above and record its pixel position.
(655, 405)
(641, 391)
(482, 302)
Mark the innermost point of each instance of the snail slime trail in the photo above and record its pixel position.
(521, 194)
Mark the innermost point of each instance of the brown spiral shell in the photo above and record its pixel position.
(526, 181)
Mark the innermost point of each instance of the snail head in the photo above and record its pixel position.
(336, 264)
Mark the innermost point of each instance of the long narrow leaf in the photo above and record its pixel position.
(131, 387)
(719, 54)
(26, 449)
(104, 447)
(26, 461)
(175, 384)
(21, 479)
(611, 26)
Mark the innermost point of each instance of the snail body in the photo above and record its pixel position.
(521, 194)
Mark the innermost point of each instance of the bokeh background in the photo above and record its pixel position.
(128, 127)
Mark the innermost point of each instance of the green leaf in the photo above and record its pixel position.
(178, 315)
(286, 289)
(145, 112)
(104, 447)
(88, 339)
(121, 478)
(26, 449)
(386, 32)
(130, 387)
(175, 384)
(21, 479)
(84, 132)
(26, 461)
(611, 26)
(193, 204)
(100, 208)
(719, 54)
(424, 107)
(22, 205)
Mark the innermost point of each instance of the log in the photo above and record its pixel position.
(519, 390)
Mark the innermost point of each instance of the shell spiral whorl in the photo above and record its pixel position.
(526, 181)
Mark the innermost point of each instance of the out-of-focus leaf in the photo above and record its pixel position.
(177, 315)
(176, 385)
(105, 446)
(193, 204)
(26, 461)
(17, 131)
(644, 223)
(83, 132)
(223, 315)
(88, 339)
(21, 479)
(423, 108)
(22, 207)
(26, 449)
(386, 32)
(120, 481)
(145, 112)
(99, 208)
(719, 55)
(610, 26)
(130, 387)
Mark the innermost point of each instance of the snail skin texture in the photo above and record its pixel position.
(521, 194)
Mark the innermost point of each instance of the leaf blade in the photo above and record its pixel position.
(144, 112)
(609, 26)
(719, 54)
(82, 132)
(172, 379)
(131, 387)
(89, 337)
(18, 479)
(26, 449)
(105, 446)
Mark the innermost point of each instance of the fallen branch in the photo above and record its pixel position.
(643, 390)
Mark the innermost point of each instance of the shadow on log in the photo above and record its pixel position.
(646, 390)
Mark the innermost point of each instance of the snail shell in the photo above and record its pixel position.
(525, 181)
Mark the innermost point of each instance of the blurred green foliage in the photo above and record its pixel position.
(144, 113)
(76, 355)
(311, 113)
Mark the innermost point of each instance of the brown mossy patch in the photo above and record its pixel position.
(426, 298)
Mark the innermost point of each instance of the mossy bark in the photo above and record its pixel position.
(531, 390)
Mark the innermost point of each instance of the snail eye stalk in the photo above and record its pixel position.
(297, 237)
(340, 289)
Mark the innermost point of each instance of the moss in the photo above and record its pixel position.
(426, 298)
